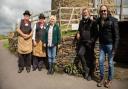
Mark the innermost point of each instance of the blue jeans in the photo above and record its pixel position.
(51, 54)
(106, 49)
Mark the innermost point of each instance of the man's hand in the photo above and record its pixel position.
(44, 45)
(34, 43)
(78, 36)
(26, 36)
(113, 51)
(58, 46)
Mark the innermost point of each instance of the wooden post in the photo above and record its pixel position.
(94, 3)
(70, 19)
(59, 11)
(121, 9)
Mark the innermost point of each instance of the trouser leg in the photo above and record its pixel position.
(35, 62)
(81, 55)
(90, 59)
(101, 62)
(21, 62)
(110, 62)
(53, 59)
(49, 60)
(40, 63)
(28, 62)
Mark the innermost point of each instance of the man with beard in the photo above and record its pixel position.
(86, 35)
(108, 39)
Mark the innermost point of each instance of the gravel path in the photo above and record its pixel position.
(10, 79)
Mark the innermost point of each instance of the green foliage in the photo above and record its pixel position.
(6, 44)
(69, 33)
(71, 69)
(3, 37)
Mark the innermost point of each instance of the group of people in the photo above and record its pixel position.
(105, 29)
(35, 44)
(43, 39)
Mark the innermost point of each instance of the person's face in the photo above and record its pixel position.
(103, 12)
(42, 20)
(52, 21)
(85, 13)
(26, 17)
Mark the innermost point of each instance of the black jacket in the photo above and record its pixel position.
(108, 32)
(87, 30)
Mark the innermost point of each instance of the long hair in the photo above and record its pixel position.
(102, 6)
(108, 11)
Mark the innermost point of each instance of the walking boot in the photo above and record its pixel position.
(89, 78)
(20, 70)
(100, 83)
(86, 72)
(50, 68)
(53, 68)
(40, 68)
(28, 69)
(34, 69)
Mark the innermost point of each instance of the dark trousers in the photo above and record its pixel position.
(38, 62)
(86, 54)
(24, 60)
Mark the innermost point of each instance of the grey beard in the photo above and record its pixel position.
(86, 17)
(103, 17)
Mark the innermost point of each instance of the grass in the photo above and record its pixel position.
(5, 43)
(3, 37)
(69, 33)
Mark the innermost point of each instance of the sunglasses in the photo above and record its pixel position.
(103, 11)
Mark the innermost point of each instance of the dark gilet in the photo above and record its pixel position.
(25, 29)
(40, 33)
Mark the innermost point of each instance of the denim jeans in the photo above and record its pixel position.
(106, 49)
(51, 54)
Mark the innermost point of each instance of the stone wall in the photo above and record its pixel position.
(82, 3)
(70, 3)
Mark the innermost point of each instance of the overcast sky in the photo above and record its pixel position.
(11, 10)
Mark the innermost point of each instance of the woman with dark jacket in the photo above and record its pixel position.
(52, 39)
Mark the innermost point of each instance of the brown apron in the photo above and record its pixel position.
(24, 45)
(39, 50)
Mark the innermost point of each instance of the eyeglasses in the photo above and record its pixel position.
(103, 11)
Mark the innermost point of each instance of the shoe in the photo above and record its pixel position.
(40, 69)
(89, 78)
(101, 83)
(53, 68)
(20, 70)
(28, 70)
(86, 74)
(50, 69)
(107, 84)
(49, 72)
(34, 69)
